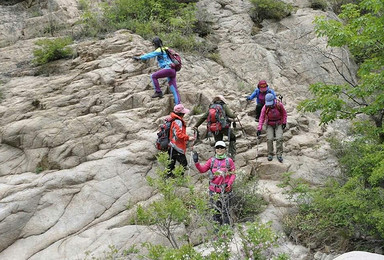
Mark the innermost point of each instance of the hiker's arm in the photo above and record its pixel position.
(228, 112)
(231, 179)
(201, 120)
(231, 165)
(253, 95)
(150, 55)
(203, 168)
(179, 133)
(262, 118)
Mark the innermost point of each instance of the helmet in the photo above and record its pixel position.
(269, 99)
(262, 84)
(157, 42)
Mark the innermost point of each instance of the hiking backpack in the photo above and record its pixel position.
(162, 141)
(175, 58)
(217, 119)
(227, 166)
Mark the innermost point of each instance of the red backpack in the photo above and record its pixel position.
(175, 58)
(217, 119)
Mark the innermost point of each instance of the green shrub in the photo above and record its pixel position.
(269, 9)
(346, 213)
(50, 50)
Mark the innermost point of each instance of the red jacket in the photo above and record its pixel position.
(276, 115)
(218, 181)
(178, 134)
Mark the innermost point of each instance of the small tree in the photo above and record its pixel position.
(361, 29)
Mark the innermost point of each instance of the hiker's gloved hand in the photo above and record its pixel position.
(228, 188)
(284, 126)
(234, 124)
(248, 98)
(136, 58)
(195, 157)
(258, 133)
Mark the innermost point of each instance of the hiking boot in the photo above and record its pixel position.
(280, 158)
(256, 120)
(270, 157)
(157, 94)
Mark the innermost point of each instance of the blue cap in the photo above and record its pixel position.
(269, 99)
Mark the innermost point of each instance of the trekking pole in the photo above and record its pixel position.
(242, 128)
(195, 134)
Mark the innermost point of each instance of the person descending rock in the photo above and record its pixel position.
(218, 122)
(260, 92)
(165, 71)
(275, 116)
(221, 177)
(178, 138)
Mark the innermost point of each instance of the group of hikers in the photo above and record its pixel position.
(219, 117)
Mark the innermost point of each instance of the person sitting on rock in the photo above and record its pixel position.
(221, 177)
(218, 122)
(260, 92)
(275, 116)
(178, 138)
(165, 71)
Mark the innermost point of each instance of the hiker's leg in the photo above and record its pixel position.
(218, 136)
(163, 73)
(270, 136)
(173, 87)
(258, 110)
(279, 140)
(219, 215)
(232, 144)
(226, 216)
(171, 166)
(182, 159)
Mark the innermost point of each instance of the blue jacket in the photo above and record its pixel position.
(162, 58)
(257, 92)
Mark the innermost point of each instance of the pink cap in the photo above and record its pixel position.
(180, 109)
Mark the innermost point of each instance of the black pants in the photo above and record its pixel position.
(221, 207)
(258, 110)
(176, 156)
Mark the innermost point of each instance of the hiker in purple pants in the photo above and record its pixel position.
(165, 70)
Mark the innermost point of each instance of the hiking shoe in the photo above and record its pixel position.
(157, 94)
(270, 157)
(256, 120)
(280, 158)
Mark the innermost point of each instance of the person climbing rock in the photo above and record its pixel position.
(218, 122)
(274, 115)
(260, 92)
(221, 178)
(165, 71)
(178, 138)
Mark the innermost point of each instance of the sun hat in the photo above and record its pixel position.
(220, 143)
(219, 97)
(269, 99)
(180, 109)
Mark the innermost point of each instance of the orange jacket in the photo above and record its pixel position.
(178, 134)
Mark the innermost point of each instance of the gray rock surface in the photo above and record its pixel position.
(77, 137)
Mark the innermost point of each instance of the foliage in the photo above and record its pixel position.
(256, 238)
(176, 22)
(247, 202)
(319, 4)
(52, 49)
(269, 9)
(349, 212)
(362, 31)
(180, 204)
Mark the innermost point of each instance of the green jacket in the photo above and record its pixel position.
(227, 111)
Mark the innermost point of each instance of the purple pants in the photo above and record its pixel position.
(170, 74)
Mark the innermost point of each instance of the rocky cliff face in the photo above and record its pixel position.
(77, 137)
